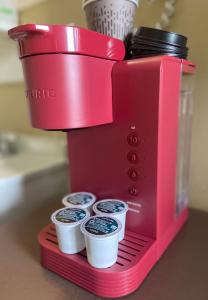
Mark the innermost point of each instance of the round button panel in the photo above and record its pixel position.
(133, 191)
(133, 174)
(133, 139)
(132, 157)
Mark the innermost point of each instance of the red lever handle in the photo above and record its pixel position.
(24, 31)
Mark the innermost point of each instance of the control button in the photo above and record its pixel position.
(133, 139)
(133, 191)
(132, 157)
(132, 173)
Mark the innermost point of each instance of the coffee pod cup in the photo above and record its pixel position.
(67, 222)
(101, 239)
(115, 208)
(80, 200)
(111, 17)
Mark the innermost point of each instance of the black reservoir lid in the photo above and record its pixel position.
(163, 36)
(151, 41)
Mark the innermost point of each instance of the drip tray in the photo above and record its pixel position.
(136, 256)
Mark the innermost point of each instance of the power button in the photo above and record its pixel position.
(133, 191)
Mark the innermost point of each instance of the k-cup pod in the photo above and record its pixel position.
(101, 239)
(67, 223)
(115, 208)
(80, 200)
(111, 17)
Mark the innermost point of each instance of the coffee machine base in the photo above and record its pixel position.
(137, 255)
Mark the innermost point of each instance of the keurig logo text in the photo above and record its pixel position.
(40, 94)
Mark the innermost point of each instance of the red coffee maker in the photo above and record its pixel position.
(122, 123)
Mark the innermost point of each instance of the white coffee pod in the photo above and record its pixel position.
(115, 208)
(101, 239)
(67, 223)
(80, 200)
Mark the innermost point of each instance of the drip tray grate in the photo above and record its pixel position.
(121, 277)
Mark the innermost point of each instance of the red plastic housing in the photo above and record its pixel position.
(36, 39)
(133, 159)
(67, 91)
(67, 74)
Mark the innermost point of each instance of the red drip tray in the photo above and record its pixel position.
(136, 256)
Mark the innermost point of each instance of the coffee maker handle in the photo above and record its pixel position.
(25, 31)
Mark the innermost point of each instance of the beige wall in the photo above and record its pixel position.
(190, 19)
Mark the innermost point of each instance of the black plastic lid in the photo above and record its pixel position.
(137, 41)
(150, 42)
(163, 36)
